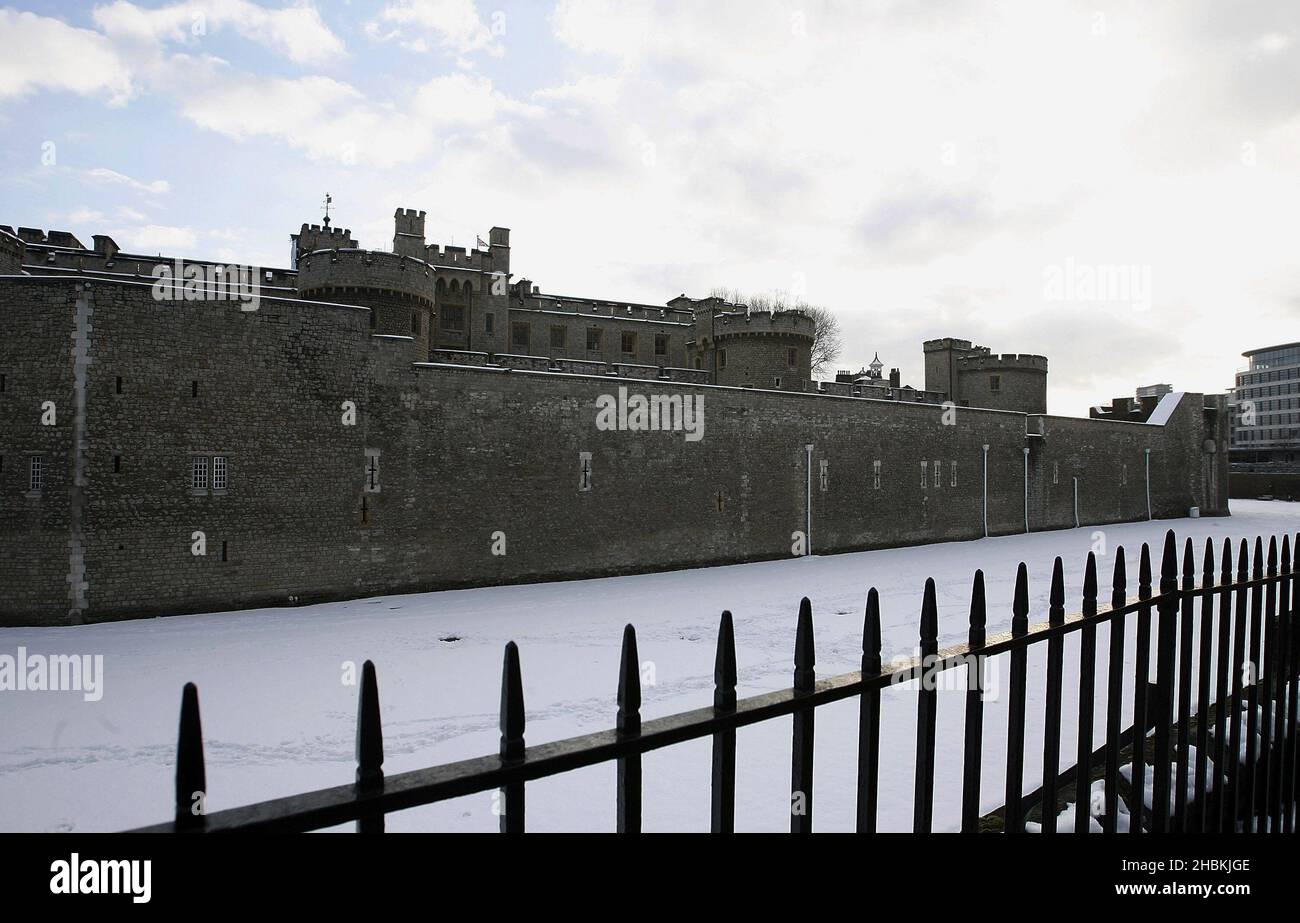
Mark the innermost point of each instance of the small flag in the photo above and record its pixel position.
(481, 242)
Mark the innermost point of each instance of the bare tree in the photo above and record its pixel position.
(827, 340)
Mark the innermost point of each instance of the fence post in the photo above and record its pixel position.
(1252, 694)
(1087, 683)
(869, 719)
(1052, 710)
(1141, 686)
(1013, 813)
(1289, 690)
(1239, 654)
(370, 747)
(723, 791)
(1185, 643)
(1269, 669)
(974, 742)
(191, 777)
(629, 725)
(1279, 809)
(801, 770)
(1115, 692)
(1223, 817)
(1166, 648)
(512, 739)
(1202, 786)
(926, 713)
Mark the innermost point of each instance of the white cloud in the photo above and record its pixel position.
(296, 31)
(103, 175)
(455, 25)
(41, 53)
(155, 238)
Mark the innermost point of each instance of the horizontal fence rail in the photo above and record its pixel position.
(1243, 650)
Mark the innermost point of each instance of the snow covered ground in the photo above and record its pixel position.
(278, 719)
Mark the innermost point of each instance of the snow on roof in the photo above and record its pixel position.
(1165, 409)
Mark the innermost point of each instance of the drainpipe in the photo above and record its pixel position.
(1026, 451)
(1148, 454)
(808, 506)
(1076, 501)
(986, 490)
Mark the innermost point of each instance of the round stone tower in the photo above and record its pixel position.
(397, 289)
(1005, 382)
(751, 349)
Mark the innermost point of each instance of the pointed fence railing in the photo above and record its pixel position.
(1244, 651)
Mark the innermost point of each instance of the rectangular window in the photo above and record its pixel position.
(628, 342)
(520, 335)
(792, 357)
(938, 473)
(35, 472)
(952, 467)
(825, 478)
(661, 344)
(875, 475)
(453, 317)
(593, 339)
(559, 336)
(489, 323)
(220, 475)
(199, 472)
(722, 358)
(415, 323)
(925, 474)
(995, 383)
(1056, 472)
(584, 471)
(1123, 475)
(776, 382)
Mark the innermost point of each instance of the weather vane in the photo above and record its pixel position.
(328, 200)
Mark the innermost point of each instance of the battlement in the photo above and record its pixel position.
(751, 323)
(312, 237)
(1005, 362)
(12, 250)
(931, 346)
(365, 269)
(451, 257)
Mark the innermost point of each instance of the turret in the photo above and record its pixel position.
(751, 349)
(397, 289)
(408, 233)
(12, 250)
(312, 237)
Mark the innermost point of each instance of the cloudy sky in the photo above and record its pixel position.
(1115, 186)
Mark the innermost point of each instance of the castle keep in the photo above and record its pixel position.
(384, 421)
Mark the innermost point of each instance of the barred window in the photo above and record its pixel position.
(199, 472)
(593, 339)
(925, 472)
(628, 342)
(875, 475)
(938, 473)
(952, 467)
(559, 337)
(36, 468)
(521, 335)
(661, 345)
(220, 477)
(453, 316)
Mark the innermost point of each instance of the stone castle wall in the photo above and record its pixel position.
(463, 453)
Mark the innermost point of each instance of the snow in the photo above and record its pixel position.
(278, 718)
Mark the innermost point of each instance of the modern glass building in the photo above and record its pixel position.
(1265, 407)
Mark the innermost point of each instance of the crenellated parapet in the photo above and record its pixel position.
(1025, 362)
(338, 271)
(762, 323)
(312, 237)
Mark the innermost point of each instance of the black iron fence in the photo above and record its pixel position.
(1244, 652)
